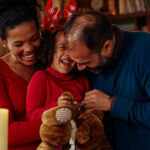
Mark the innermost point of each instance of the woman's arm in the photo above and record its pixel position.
(20, 132)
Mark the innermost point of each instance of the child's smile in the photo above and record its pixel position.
(61, 62)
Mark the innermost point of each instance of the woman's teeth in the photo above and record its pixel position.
(29, 56)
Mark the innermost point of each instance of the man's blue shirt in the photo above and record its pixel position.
(129, 80)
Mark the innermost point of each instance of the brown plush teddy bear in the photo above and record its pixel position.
(65, 127)
(90, 131)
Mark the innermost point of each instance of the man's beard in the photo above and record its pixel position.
(104, 65)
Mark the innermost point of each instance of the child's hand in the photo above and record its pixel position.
(64, 100)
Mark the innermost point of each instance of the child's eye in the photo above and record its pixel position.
(18, 45)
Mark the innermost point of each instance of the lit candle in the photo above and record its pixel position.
(3, 129)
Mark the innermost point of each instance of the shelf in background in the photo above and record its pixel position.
(129, 15)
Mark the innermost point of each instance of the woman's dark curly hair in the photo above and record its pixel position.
(15, 12)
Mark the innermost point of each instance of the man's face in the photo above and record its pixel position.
(85, 59)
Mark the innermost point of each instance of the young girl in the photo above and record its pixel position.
(46, 87)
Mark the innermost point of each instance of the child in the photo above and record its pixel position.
(45, 87)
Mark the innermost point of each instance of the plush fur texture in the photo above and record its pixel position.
(56, 132)
(90, 133)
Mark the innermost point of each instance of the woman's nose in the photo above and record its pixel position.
(28, 47)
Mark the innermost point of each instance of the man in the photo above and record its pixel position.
(120, 66)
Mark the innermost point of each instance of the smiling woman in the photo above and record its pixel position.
(19, 33)
(22, 41)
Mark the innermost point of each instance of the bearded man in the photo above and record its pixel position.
(120, 76)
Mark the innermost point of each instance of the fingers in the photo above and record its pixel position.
(91, 96)
(93, 92)
(65, 97)
(64, 100)
(89, 104)
(96, 99)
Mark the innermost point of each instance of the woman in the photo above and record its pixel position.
(19, 32)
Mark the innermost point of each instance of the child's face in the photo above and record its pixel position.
(61, 61)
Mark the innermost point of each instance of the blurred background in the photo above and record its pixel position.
(131, 15)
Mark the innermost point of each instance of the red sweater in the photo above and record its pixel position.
(22, 133)
(46, 86)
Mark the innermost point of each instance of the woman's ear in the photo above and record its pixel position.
(3, 42)
(107, 49)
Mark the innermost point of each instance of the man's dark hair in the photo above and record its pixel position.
(93, 29)
(15, 12)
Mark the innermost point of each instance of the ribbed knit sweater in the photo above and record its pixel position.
(46, 86)
(129, 80)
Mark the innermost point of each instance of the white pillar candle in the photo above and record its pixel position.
(3, 129)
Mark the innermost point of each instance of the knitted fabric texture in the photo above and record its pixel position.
(63, 114)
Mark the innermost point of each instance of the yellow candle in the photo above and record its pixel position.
(3, 129)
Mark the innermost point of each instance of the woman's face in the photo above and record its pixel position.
(23, 41)
(61, 61)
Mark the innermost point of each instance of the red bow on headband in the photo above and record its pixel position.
(70, 9)
(52, 19)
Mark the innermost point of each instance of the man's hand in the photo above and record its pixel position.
(98, 100)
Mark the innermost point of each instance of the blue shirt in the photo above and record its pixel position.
(129, 79)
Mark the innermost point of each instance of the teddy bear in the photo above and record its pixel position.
(67, 128)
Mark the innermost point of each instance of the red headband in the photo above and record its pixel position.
(52, 19)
